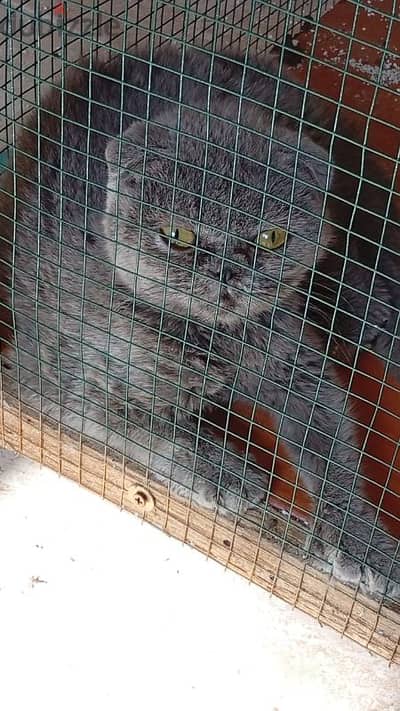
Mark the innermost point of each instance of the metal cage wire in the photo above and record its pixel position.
(38, 46)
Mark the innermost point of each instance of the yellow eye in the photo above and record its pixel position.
(272, 239)
(179, 237)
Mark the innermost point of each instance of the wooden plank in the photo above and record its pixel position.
(238, 546)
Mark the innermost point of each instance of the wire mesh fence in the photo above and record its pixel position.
(200, 280)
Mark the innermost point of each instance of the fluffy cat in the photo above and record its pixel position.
(146, 285)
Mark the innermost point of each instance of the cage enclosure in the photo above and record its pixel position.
(200, 280)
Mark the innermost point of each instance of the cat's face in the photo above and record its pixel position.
(194, 235)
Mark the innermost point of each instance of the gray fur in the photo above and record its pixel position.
(127, 341)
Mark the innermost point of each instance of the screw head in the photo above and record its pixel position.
(141, 498)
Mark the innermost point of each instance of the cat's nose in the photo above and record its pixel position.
(226, 274)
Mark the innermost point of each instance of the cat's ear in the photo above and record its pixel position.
(139, 146)
(124, 152)
(313, 164)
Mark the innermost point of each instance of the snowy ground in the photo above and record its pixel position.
(99, 611)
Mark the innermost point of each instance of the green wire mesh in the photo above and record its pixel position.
(38, 44)
(3, 159)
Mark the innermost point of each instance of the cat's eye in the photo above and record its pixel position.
(179, 237)
(272, 238)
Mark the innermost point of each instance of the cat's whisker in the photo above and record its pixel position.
(339, 298)
(339, 346)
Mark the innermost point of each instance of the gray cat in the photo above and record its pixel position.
(168, 234)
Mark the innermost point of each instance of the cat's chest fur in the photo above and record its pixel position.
(172, 363)
(168, 362)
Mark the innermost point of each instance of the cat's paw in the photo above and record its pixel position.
(364, 578)
(237, 495)
(230, 493)
(335, 562)
(349, 571)
(378, 586)
(203, 493)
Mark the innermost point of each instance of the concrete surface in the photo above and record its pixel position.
(101, 612)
